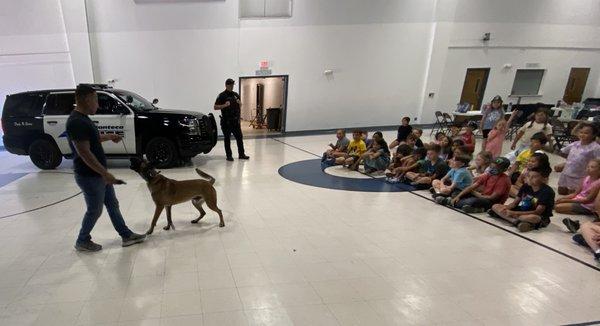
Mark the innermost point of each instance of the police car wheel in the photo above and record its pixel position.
(162, 152)
(45, 154)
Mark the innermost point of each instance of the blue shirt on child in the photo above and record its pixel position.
(461, 177)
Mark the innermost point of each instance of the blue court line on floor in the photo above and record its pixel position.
(6, 178)
(575, 259)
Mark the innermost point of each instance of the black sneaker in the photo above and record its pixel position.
(244, 157)
(442, 200)
(89, 246)
(597, 256)
(524, 227)
(230, 159)
(578, 239)
(472, 210)
(432, 191)
(493, 214)
(133, 239)
(572, 226)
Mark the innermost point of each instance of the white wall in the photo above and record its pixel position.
(556, 35)
(386, 55)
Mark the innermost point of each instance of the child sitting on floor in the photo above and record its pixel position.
(404, 150)
(377, 137)
(589, 236)
(581, 202)
(497, 135)
(404, 130)
(356, 148)
(537, 160)
(378, 157)
(455, 181)
(456, 145)
(418, 133)
(438, 138)
(430, 169)
(578, 153)
(445, 148)
(536, 143)
(481, 164)
(468, 137)
(489, 189)
(409, 163)
(340, 148)
(454, 132)
(532, 208)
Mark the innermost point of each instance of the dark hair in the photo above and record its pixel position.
(540, 109)
(404, 149)
(437, 134)
(544, 160)
(83, 91)
(421, 152)
(356, 131)
(411, 136)
(541, 137)
(406, 118)
(465, 159)
(418, 130)
(592, 126)
(434, 147)
(378, 133)
(487, 156)
(544, 172)
(458, 142)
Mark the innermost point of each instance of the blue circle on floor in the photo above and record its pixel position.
(309, 172)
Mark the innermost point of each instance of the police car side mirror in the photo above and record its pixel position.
(155, 101)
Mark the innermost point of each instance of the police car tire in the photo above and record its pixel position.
(45, 154)
(169, 152)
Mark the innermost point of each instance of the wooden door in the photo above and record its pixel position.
(474, 87)
(576, 85)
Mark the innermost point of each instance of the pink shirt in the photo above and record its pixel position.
(586, 187)
(494, 141)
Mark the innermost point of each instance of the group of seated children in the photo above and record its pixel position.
(443, 166)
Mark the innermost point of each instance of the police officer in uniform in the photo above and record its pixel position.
(229, 104)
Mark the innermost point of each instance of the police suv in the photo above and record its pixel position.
(34, 124)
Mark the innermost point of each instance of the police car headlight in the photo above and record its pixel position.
(191, 124)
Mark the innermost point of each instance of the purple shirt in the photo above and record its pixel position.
(579, 156)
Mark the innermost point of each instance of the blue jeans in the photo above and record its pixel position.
(474, 202)
(98, 194)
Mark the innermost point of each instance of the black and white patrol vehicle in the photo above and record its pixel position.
(34, 124)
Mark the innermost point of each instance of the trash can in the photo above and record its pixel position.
(274, 119)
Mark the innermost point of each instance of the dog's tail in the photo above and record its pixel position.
(206, 176)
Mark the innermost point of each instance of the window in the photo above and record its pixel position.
(527, 82)
(23, 105)
(60, 104)
(265, 8)
(108, 105)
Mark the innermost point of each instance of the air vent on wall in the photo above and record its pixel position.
(265, 8)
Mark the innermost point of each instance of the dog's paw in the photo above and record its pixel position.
(221, 224)
(195, 221)
(167, 228)
(149, 232)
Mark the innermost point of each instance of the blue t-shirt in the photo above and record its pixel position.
(461, 177)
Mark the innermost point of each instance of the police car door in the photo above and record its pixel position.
(57, 109)
(114, 117)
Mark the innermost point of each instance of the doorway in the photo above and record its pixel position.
(474, 87)
(264, 104)
(576, 85)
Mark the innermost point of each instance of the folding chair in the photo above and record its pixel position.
(439, 123)
(448, 120)
(562, 133)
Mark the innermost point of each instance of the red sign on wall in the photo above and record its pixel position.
(264, 64)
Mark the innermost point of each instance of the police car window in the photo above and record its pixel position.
(24, 105)
(108, 105)
(135, 101)
(60, 104)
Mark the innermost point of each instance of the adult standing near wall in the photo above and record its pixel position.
(491, 113)
(91, 174)
(228, 102)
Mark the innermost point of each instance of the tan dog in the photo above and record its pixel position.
(167, 192)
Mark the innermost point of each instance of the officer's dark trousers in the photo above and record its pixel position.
(232, 127)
